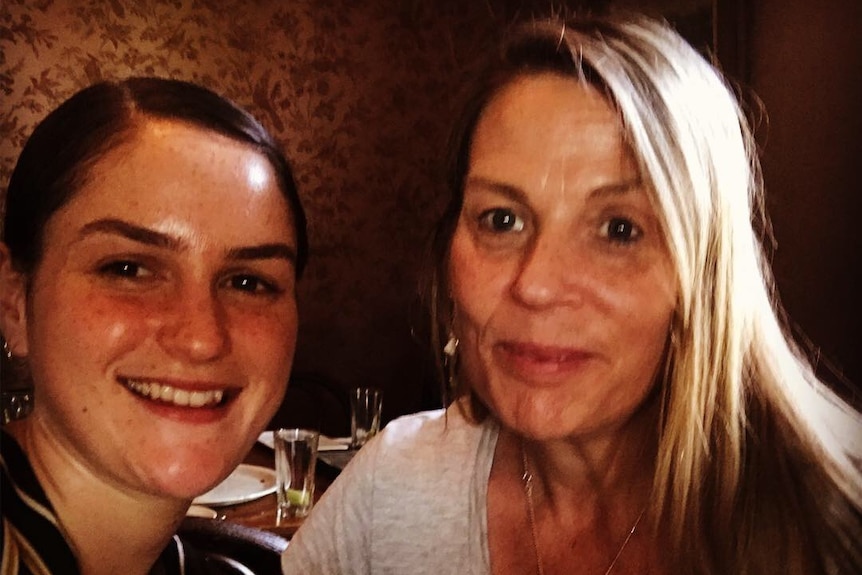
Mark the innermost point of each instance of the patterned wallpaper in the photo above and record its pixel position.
(360, 93)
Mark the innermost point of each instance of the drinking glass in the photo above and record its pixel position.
(295, 462)
(366, 404)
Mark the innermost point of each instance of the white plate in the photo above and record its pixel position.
(325, 443)
(201, 511)
(246, 483)
(337, 459)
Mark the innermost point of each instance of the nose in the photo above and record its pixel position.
(195, 328)
(548, 273)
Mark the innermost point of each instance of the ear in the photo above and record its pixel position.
(13, 305)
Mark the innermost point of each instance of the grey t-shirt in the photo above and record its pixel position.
(413, 501)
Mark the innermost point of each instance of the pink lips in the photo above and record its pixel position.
(537, 363)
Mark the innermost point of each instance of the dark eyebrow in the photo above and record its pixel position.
(516, 194)
(131, 231)
(163, 241)
(512, 192)
(264, 252)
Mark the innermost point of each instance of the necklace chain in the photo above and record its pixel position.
(527, 478)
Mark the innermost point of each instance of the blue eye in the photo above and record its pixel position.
(622, 230)
(501, 220)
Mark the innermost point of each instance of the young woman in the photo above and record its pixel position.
(626, 398)
(152, 239)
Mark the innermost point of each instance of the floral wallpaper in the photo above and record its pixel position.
(360, 94)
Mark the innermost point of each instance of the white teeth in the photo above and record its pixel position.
(166, 393)
(180, 397)
(197, 398)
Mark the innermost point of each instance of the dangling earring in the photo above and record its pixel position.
(6, 350)
(451, 347)
(450, 351)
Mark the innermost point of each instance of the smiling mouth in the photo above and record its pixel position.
(543, 354)
(540, 363)
(175, 396)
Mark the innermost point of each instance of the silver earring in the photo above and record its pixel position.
(6, 350)
(451, 346)
(450, 351)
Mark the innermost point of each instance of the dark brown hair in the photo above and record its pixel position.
(56, 159)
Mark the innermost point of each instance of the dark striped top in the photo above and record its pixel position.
(32, 543)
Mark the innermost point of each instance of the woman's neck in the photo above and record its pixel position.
(582, 501)
(600, 474)
(110, 529)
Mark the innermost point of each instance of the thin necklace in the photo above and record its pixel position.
(527, 478)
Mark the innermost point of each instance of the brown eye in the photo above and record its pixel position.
(252, 284)
(622, 230)
(123, 269)
(501, 220)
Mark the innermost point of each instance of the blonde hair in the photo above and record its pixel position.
(735, 379)
(758, 466)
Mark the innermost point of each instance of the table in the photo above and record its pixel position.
(261, 513)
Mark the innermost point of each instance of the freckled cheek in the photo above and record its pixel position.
(78, 339)
(107, 324)
(268, 339)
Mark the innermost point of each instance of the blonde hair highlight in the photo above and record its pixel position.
(756, 455)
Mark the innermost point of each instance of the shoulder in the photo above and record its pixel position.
(432, 425)
(427, 434)
(29, 522)
(384, 511)
(425, 450)
(415, 449)
(421, 427)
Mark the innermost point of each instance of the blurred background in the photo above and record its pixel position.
(362, 94)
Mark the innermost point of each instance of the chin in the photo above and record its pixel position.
(190, 486)
(187, 477)
(539, 424)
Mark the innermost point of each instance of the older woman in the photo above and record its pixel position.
(151, 244)
(626, 399)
